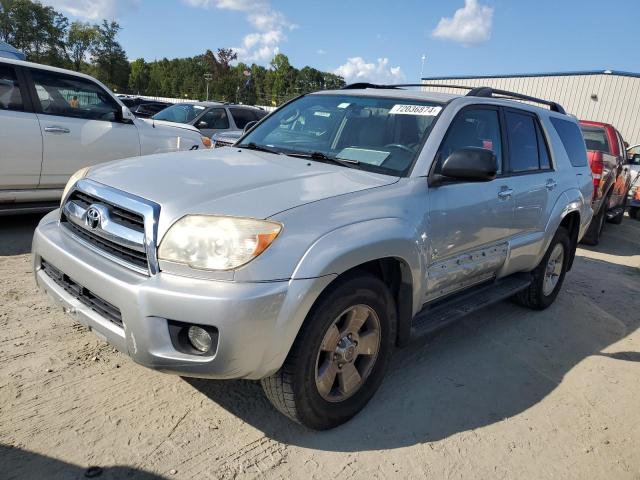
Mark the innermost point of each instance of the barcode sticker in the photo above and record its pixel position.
(429, 111)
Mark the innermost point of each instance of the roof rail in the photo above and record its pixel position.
(486, 92)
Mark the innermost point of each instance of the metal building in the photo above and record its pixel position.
(601, 95)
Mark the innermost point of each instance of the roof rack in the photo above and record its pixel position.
(487, 92)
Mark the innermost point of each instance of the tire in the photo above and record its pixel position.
(537, 296)
(634, 212)
(294, 389)
(592, 236)
(617, 220)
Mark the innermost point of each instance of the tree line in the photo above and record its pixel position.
(47, 36)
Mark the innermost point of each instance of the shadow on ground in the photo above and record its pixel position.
(35, 466)
(16, 233)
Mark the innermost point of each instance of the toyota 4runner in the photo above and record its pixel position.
(344, 224)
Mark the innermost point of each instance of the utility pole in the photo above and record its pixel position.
(424, 57)
(208, 77)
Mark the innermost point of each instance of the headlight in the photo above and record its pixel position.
(217, 243)
(206, 141)
(79, 175)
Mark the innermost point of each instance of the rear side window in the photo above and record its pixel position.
(523, 142)
(242, 116)
(10, 97)
(572, 140)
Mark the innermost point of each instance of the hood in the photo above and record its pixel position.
(147, 122)
(231, 181)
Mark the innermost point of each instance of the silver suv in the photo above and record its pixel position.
(343, 224)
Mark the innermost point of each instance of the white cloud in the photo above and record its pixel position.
(358, 70)
(93, 9)
(320, 51)
(470, 24)
(264, 44)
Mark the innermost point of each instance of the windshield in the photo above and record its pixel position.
(179, 113)
(371, 133)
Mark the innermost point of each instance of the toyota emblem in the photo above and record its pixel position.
(93, 218)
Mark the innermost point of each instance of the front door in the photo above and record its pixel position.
(213, 121)
(469, 222)
(80, 126)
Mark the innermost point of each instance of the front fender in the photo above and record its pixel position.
(352, 245)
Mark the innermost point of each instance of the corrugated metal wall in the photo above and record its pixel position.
(618, 96)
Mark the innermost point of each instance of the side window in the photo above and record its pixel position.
(523, 142)
(620, 145)
(10, 97)
(572, 140)
(242, 116)
(474, 128)
(70, 96)
(214, 118)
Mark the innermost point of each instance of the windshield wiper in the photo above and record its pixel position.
(260, 148)
(323, 158)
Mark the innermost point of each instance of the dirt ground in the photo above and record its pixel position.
(507, 393)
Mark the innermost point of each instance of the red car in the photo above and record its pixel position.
(611, 176)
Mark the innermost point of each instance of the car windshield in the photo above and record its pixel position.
(371, 133)
(179, 113)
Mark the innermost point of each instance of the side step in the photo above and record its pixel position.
(442, 313)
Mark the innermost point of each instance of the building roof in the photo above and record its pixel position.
(542, 74)
(8, 51)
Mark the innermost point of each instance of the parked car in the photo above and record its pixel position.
(54, 121)
(211, 117)
(611, 177)
(226, 139)
(141, 107)
(345, 223)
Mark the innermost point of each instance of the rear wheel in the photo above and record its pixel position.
(634, 212)
(592, 236)
(549, 274)
(340, 355)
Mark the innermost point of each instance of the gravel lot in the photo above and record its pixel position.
(507, 393)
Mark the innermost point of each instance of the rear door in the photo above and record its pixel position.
(20, 137)
(80, 124)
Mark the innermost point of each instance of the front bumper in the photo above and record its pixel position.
(256, 322)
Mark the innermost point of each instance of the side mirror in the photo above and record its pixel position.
(202, 124)
(248, 126)
(471, 163)
(127, 115)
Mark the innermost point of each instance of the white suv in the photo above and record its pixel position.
(55, 121)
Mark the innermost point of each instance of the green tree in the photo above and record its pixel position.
(140, 76)
(81, 39)
(37, 30)
(112, 66)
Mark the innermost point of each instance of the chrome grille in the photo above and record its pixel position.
(115, 224)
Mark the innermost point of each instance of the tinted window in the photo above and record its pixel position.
(523, 142)
(572, 140)
(180, 113)
(10, 97)
(73, 97)
(595, 138)
(242, 116)
(214, 118)
(474, 128)
(543, 149)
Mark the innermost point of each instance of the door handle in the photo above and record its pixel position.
(55, 129)
(551, 184)
(505, 193)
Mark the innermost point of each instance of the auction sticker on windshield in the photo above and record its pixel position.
(427, 110)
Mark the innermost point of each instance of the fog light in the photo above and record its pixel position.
(199, 338)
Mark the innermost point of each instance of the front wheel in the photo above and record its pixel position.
(548, 276)
(338, 360)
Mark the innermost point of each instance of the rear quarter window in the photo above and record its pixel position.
(572, 140)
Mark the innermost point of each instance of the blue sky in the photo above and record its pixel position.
(381, 40)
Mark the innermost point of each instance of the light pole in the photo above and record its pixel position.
(423, 58)
(208, 77)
